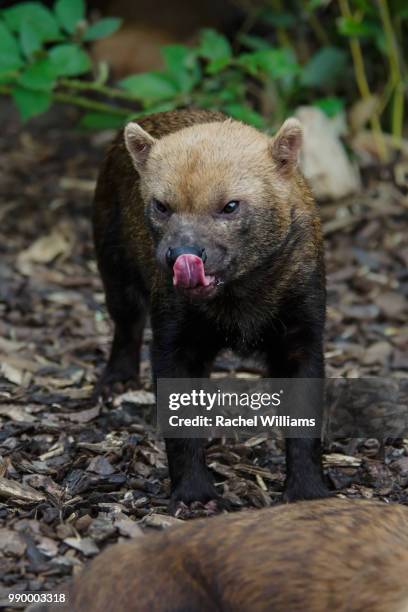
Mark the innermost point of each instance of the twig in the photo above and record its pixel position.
(282, 35)
(318, 30)
(109, 92)
(82, 103)
(393, 58)
(92, 104)
(362, 83)
(17, 491)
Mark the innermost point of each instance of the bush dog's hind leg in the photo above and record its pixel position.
(127, 304)
(302, 358)
(123, 367)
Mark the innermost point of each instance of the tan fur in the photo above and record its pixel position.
(198, 168)
(195, 166)
(333, 555)
(202, 166)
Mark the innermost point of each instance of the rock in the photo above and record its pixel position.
(324, 161)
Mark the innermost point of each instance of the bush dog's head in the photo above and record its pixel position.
(217, 198)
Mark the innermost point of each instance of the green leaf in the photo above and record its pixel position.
(103, 28)
(69, 60)
(150, 87)
(215, 48)
(331, 105)
(40, 75)
(348, 26)
(231, 93)
(69, 13)
(275, 63)
(102, 121)
(181, 66)
(30, 103)
(324, 67)
(9, 52)
(40, 17)
(249, 61)
(30, 38)
(217, 65)
(244, 113)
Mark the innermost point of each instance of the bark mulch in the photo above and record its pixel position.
(75, 476)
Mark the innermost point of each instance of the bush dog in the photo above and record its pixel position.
(207, 224)
(315, 556)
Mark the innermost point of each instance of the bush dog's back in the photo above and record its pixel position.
(340, 555)
(207, 224)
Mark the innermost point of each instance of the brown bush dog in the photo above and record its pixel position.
(207, 224)
(315, 556)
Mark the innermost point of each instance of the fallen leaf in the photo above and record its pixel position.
(47, 248)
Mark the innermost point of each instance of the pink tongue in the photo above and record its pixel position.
(188, 272)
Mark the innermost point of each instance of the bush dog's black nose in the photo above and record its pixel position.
(172, 254)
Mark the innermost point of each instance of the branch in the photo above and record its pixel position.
(394, 61)
(82, 102)
(109, 92)
(362, 83)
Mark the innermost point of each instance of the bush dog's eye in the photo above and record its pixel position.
(230, 207)
(160, 207)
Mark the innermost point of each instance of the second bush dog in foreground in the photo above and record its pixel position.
(316, 556)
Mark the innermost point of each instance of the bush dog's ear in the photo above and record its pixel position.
(285, 146)
(138, 143)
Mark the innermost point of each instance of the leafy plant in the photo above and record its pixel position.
(40, 49)
(302, 58)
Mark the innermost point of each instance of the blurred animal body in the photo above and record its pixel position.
(316, 556)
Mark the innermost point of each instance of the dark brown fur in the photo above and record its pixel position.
(272, 298)
(319, 556)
